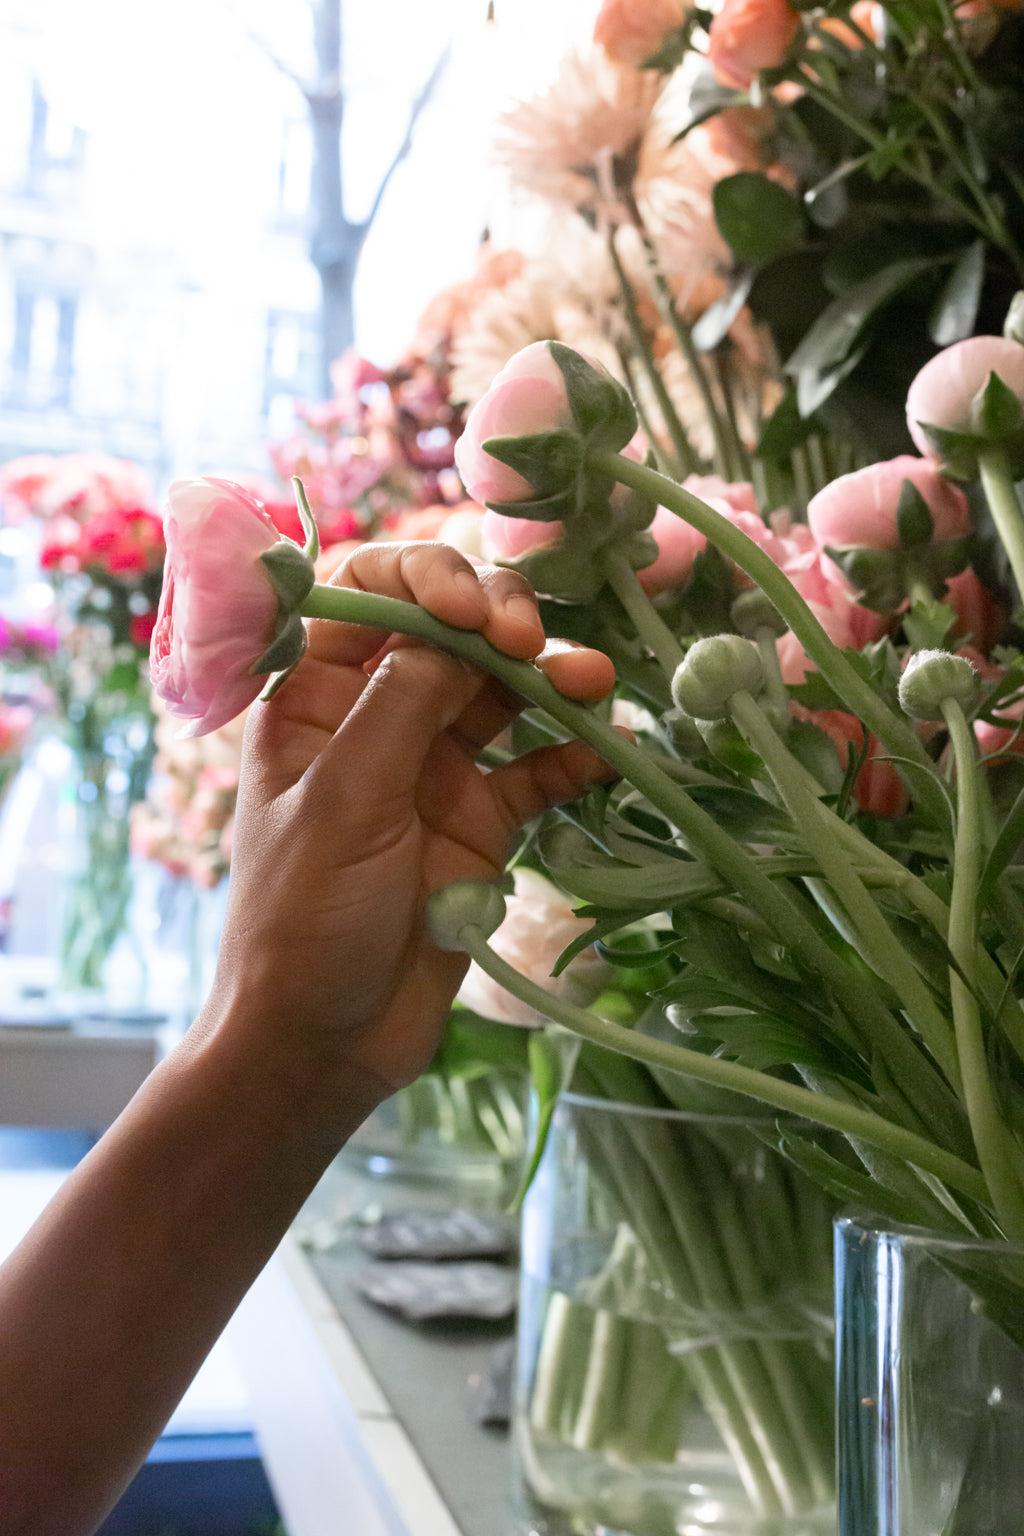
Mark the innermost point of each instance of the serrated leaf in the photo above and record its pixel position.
(848, 1186)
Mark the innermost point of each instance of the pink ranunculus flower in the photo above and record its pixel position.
(539, 923)
(527, 396)
(631, 31)
(980, 616)
(833, 601)
(948, 390)
(738, 494)
(860, 508)
(679, 544)
(747, 36)
(506, 538)
(218, 611)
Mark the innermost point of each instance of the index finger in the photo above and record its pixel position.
(437, 578)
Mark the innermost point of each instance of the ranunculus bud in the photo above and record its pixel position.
(951, 409)
(932, 677)
(712, 671)
(463, 904)
(524, 441)
(862, 508)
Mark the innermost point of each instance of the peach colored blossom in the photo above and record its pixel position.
(747, 36)
(878, 788)
(538, 925)
(630, 31)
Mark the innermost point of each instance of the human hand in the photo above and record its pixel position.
(360, 796)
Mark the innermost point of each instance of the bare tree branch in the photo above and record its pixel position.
(416, 108)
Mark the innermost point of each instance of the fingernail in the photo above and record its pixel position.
(467, 582)
(521, 608)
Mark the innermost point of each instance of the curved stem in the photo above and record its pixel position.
(849, 1119)
(856, 693)
(647, 621)
(1001, 495)
(994, 1143)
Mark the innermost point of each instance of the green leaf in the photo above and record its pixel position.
(1008, 840)
(550, 1067)
(601, 406)
(850, 1187)
(955, 312)
(714, 323)
(834, 333)
(758, 219)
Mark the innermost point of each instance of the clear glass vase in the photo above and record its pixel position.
(675, 1362)
(930, 1383)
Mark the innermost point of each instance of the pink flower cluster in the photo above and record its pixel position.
(186, 820)
(857, 512)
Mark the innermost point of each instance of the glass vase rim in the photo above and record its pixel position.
(672, 1112)
(923, 1237)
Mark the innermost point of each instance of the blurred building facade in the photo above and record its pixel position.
(117, 339)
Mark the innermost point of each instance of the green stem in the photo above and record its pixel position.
(688, 459)
(849, 1119)
(720, 428)
(995, 1145)
(878, 944)
(856, 692)
(647, 621)
(1001, 495)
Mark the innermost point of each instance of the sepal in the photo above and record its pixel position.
(286, 649)
(601, 406)
(291, 573)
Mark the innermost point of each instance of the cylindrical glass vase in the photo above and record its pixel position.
(675, 1361)
(930, 1383)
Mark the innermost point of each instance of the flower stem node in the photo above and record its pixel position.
(931, 678)
(713, 670)
(463, 904)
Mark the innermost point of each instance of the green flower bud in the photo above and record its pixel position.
(463, 904)
(753, 611)
(930, 678)
(713, 670)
